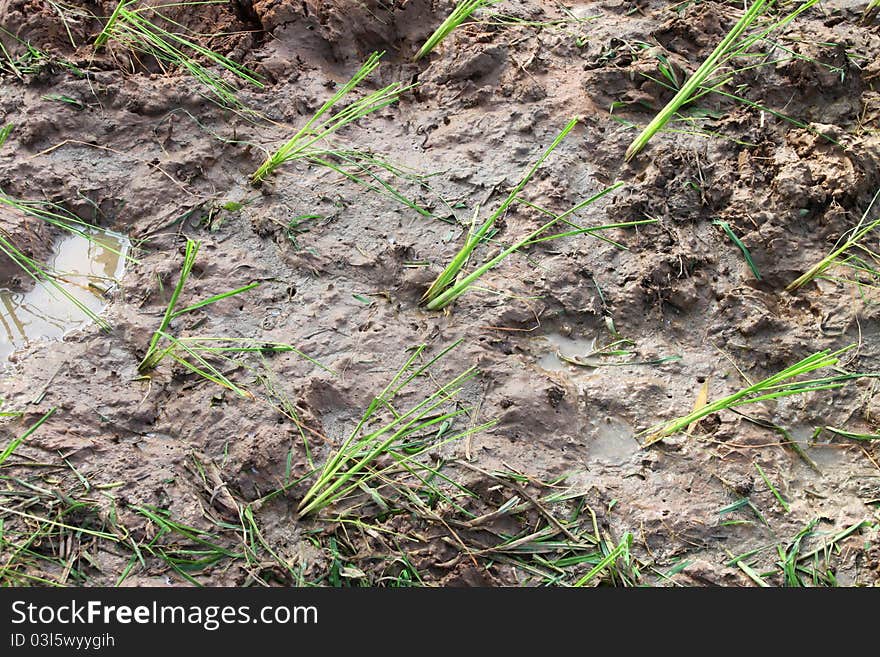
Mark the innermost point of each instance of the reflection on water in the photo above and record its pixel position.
(87, 269)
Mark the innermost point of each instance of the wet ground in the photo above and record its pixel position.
(580, 343)
(87, 267)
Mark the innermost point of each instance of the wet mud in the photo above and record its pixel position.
(342, 269)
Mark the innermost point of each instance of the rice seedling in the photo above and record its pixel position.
(4, 133)
(449, 275)
(439, 297)
(552, 549)
(790, 556)
(863, 437)
(596, 357)
(852, 252)
(67, 100)
(461, 13)
(403, 437)
(142, 29)
(742, 503)
(451, 283)
(193, 352)
(14, 444)
(47, 536)
(799, 568)
(29, 62)
(713, 73)
(318, 128)
(785, 505)
(781, 384)
(742, 247)
(609, 562)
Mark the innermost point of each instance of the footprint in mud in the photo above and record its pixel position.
(87, 268)
(610, 441)
(556, 347)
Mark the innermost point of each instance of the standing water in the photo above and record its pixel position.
(86, 269)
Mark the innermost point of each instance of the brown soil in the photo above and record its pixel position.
(147, 155)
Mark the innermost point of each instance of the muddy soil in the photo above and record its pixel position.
(342, 269)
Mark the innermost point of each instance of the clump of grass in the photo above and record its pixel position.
(403, 437)
(29, 62)
(451, 283)
(461, 13)
(193, 352)
(712, 74)
(814, 564)
(851, 252)
(318, 128)
(137, 28)
(185, 549)
(781, 384)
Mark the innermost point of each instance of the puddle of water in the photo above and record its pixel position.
(612, 442)
(43, 313)
(571, 347)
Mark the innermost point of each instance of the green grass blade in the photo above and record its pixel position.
(214, 299)
(189, 259)
(742, 247)
(13, 445)
(461, 13)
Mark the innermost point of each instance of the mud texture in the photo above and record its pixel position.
(149, 156)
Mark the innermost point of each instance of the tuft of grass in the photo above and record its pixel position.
(609, 561)
(461, 13)
(851, 251)
(712, 75)
(141, 29)
(781, 384)
(357, 462)
(452, 282)
(318, 128)
(194, 352)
